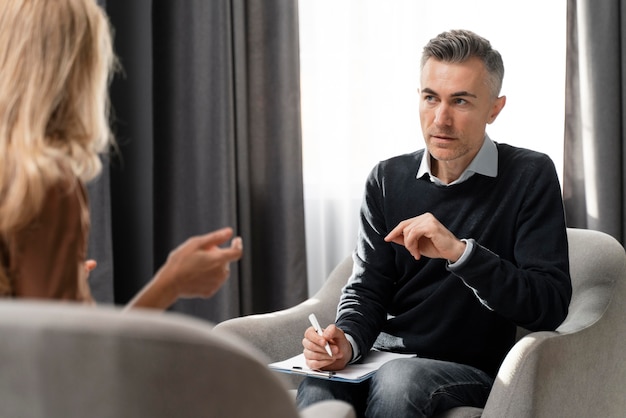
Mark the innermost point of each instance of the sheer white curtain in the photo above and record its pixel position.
(359, 80)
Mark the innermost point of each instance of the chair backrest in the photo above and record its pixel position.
(596, 263)
(66, 360)
(580, 370)
(327, 298)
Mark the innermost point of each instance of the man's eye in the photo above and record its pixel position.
(460, 101)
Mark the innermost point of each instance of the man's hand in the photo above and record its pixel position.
(425, 236)
(315, 352)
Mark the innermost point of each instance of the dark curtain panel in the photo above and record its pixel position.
(594, 160)
(100, 237)
(207, 117)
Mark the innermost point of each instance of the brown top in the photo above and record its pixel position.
(46, 259)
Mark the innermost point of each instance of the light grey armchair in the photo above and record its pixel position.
(60, 360)
(577, 371)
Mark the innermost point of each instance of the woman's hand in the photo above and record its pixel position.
(199, 267)
(196, 268)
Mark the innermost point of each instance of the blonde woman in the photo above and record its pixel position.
(55, 62)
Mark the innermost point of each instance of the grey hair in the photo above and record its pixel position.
(458, 46)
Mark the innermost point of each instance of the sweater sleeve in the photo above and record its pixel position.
(362, 309)
(47, 257)
(534, 289)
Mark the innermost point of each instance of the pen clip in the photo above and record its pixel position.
(310, 372)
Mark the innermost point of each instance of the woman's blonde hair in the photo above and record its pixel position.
(56, 58)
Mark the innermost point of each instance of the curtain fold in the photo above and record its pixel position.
(271, 135)
(100, 238)
(594, 168)
(207, 115)
(100, 244)
(131, 185)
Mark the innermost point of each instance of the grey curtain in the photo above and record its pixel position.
(594, 160)
(207, 116)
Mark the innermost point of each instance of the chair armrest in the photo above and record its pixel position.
(580, 369)
(549, 374)
(279, 334)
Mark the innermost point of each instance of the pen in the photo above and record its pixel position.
(318, 329)
(321, 373)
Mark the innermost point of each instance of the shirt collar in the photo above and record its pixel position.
(485, 163)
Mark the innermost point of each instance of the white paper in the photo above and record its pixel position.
(352, 373)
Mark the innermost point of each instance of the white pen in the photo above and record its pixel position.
(318, 329)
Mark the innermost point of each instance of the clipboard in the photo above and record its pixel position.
(353, 373)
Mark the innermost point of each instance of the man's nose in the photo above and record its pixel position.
(443, 115)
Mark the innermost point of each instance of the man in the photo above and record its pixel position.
(458, 244)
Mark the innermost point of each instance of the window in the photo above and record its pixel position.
(359, 78)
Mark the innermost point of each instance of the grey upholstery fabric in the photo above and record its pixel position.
(279, 335)
(577, 371)
(68, 360)
(580, 370)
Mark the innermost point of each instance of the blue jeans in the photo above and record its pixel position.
(413, 387)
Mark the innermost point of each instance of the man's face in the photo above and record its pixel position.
(455, 107)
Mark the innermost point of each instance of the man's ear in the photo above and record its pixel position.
(497, 107)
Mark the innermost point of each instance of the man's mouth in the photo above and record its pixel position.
(442, 137)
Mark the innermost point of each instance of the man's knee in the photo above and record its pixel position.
(405, 370)
(311, 391)
(412, 387)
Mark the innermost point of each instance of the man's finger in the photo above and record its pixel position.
(394, 234)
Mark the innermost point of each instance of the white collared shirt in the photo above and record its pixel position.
(485, 163)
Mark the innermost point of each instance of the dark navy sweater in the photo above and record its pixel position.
(517, 274)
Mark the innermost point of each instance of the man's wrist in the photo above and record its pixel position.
(355, 348)
(469, 247)
(460, 248)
